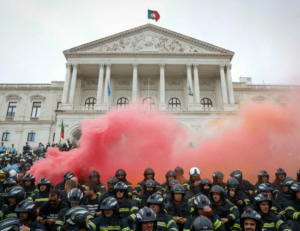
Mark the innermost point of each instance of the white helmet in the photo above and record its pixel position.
(194, 171)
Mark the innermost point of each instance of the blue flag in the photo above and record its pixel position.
(108, 89)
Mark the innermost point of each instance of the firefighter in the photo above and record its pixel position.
(227, 211)
(149, 189)
(284, 195)
(202, 223)
(149, 174)
(202, 207)
(121, 175)
(170, 175)
(165, 221)
(178, 207)
(218, 179)
(29, 186)
(78, 219)
(271, 222)
(95, 178)
(42, 195)
(292, 210)
(251, 221)
(193, 184)
(245, 185)
(146, 220)
(111, 182)
(67, 176)
(280, 174)
(262, 177)
(168, 196)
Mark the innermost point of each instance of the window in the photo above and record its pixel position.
(206, 102)
(53, 136)
(149, 103)
(31, 137)
(5, 136)
(123, 102)
(11, 109)
(174, 102)
(90, 102)
(36, 110)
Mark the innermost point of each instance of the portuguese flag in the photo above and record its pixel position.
(152, 14)
(62, 130)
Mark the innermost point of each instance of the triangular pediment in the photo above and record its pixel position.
(148, 39)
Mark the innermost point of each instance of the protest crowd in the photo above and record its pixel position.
(178, 204)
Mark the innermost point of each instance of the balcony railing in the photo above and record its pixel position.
(83, 108)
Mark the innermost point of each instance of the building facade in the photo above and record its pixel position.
(149, 65)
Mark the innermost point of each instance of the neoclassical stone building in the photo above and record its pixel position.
(149, 65)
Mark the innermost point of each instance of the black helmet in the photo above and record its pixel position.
(68, 176)
(288, 181)
(121, 172)
(75, 196)
(44, 181)
(177, 188)
(149, 171)
(10, 224)
(110, 203)
(121, 186)
(146, 214)
(27, 206)
(94, 174)
(280, 171)
(295, 188)
(170, 173)
(238, 175)
(217, 189)
(29, 176)
(260, 198)
(217, 175)
(202, 223)
(204, 182)
(75, 217)
(27, 165)
(261, 174)
(111, 182)
(8, 183)
(232, 183)
(172, 183)
(200, 202)
(265, 187)
(17, 192)
(155, 198)
(149, 183)
(252, 214)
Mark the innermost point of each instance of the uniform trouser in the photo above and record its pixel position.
(295, 225)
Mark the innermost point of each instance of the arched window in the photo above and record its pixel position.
(174, 103)
(122, 102)
(90, 102)
(206, 102)
(149, 103)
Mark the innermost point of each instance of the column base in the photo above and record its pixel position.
(230, 107)
(101, 107)
(195, 107)
(65, 107)
(162, 107)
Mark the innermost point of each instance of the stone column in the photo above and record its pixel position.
(67, 83)
(196, 82)
(134, 82)
(162, 88)
(229, 84)
(189, 83)
(73, 83)
(107, 80)
(100, 84)
(223, 84)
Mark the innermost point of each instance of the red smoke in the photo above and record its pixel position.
(262, 137)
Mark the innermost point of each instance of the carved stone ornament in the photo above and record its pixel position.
(174, 82)
(149, 42)
(37, 97)
(13, 97)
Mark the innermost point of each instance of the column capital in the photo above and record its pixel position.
(135, 64)
(75, 65)
(68, 65)
(107, 64)
(221, 65)
(188, 65)
(162, 65)
(101, 64)
(195, 65)
(228, 65)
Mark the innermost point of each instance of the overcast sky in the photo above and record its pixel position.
(264, 34)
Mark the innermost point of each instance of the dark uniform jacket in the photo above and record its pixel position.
(223, 185)
(140, 186)
(165, 222)
(100, 187)
(60, 186)
(215, 219)
(128, 210)
(34, 225)
(30, 191)
(239, 195)
(8, 212)
(189, 186)
(39, 198)
(165, 188)
(115, 224)
(246, 186)
(229, 211)
(283, 198)
(272, 223)
(277, 184)
(141, 199)
(292, 210)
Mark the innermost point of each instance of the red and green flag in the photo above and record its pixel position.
(152, 14)
(62, 130)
